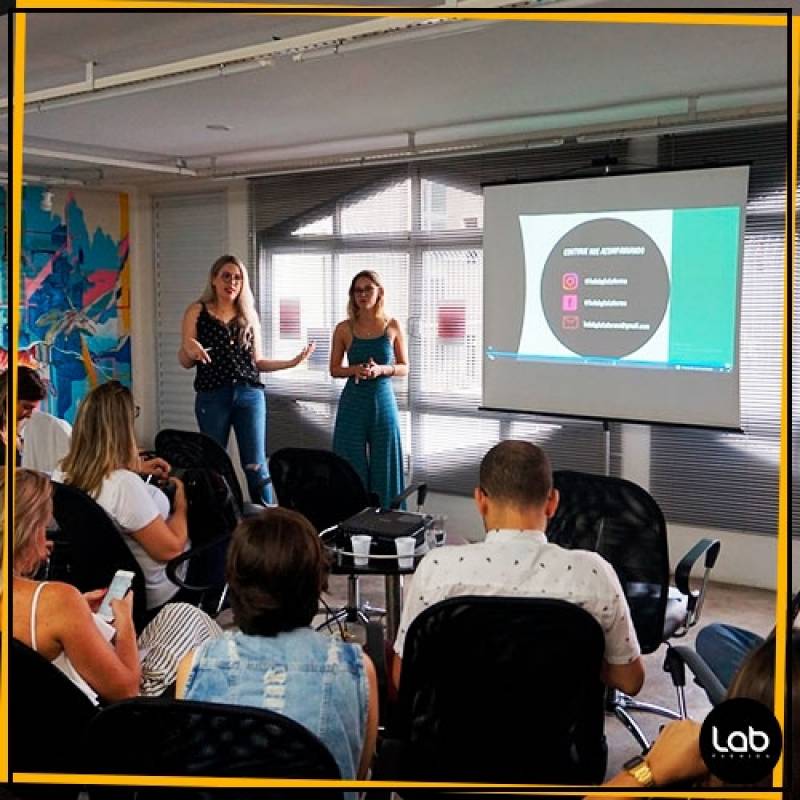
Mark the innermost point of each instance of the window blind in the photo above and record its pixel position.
(730, 480)
(189, 234)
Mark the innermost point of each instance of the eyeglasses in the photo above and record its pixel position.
(231, 277)
(364, 289)
(136, 411)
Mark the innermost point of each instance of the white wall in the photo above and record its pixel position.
(745, 559)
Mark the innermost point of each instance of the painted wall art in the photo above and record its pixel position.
(75, 292)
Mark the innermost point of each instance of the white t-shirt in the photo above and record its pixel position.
(45, 441)
(134, 504)
(514, 563)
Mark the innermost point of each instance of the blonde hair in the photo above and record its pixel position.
(103, 438)
(352, 308)
(246, 316)
(33, 509)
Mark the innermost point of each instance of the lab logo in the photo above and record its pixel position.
(740, 741)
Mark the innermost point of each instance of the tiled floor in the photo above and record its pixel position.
(749, 608)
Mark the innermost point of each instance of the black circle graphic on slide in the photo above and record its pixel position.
(605, 288)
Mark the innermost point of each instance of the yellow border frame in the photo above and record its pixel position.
(678, 18)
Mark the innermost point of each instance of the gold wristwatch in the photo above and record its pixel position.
(640, 770)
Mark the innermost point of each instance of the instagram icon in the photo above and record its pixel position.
(569, 281)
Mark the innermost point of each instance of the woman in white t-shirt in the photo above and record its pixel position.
(103, 461)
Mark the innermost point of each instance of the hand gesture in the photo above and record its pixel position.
(123, 613)
(196, 351)
(180, 492)
(156, 467)
(95, 598)
(304, 353)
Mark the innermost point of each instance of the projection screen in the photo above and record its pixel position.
(616, 297)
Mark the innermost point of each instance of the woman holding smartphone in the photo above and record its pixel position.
(221, 338)
(99, 655)
(103, 461)
(369, 349)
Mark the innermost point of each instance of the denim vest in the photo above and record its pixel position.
(316, 680)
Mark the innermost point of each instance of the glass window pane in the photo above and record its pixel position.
(300, 312)
(319, 227)
(445, 208)
(385, 211)
(452, 326)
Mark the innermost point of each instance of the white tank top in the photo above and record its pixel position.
(61, 661)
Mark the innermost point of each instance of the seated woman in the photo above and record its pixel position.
(276, 571)
(103, 461)
(675, 757)
(60, 623)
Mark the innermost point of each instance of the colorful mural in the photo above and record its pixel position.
(75, 304)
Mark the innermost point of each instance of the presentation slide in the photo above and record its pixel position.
(616, 297)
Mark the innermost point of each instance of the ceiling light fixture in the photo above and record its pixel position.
(45, 180)
(178, 169)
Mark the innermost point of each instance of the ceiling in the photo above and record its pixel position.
(455, 85)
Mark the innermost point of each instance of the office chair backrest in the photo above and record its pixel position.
(152, 736)
(502, 690)
(623, 523)
(96, 549)
(319, 484)
(47, 713)
(192, 449)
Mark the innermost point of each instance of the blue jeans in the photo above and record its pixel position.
(245, 408)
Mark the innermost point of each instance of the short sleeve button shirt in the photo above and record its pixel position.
(514, 563)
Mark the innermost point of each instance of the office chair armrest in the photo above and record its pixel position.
(173, 564)
(703, 676)
(422, 492)
(694, 597)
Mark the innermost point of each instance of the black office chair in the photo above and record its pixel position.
(623, 523)
(151, 736)
(499, 690)
(89, 548)
(48, 715)
(325, 489)
(194, 450)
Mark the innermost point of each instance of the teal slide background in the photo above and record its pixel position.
(705, 255)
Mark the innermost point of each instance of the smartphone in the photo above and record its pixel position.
(120, 584)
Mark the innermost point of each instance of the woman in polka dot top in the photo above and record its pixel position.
(221, 337)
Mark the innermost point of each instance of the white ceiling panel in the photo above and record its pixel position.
(505, 74)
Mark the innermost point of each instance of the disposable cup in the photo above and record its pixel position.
(361, 544)
(405, 549)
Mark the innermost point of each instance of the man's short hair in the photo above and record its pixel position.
(30, 385)
(517, 473)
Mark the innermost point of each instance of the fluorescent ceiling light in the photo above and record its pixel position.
(44, 180)
(686, 127)
(105, 161)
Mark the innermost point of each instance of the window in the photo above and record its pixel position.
(420, 225)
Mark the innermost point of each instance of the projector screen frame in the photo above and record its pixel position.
(597, 170)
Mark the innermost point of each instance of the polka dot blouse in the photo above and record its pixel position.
(231, 360)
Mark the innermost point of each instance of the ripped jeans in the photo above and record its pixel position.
(243, 407)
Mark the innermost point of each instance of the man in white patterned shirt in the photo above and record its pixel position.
(515, 498)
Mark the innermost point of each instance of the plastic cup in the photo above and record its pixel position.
(405, 549)
(361, 544)
(436, 532)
